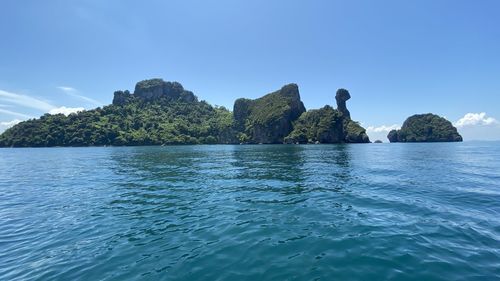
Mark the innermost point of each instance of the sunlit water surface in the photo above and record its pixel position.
(263, 212)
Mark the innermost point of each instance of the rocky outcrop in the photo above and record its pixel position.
(322, 125)
(241, 111)
(154, 90)
(268, 119)
(164, 113)
(121, 97)
(341, 97)
(328, 125)
(425, 128)
(354, 133)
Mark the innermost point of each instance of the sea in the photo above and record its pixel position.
(407, 211)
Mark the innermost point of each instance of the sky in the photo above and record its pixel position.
(397, 58)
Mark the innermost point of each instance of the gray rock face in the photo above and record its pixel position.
(149, 89)
(153, 90)
(268, 119)
(341, 97)
(121, 97)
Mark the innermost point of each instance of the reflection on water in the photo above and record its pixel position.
(265, 168)
(207, 195)
(263, 212)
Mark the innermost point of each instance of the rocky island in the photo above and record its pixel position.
(328, 125)
(425, 128)
(268, 119)
(164, 113)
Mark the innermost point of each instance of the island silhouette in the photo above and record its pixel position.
(164, 113)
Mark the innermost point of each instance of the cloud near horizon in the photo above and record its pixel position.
(17, 101)
(66, 110)
(7, 124)
(476, 119)
(478, 126)
(380, 132)
(383, 128)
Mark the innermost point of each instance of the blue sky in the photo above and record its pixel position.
(397, 58)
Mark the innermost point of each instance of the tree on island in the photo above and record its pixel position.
(164, 113)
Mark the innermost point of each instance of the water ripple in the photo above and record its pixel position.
(317, 212)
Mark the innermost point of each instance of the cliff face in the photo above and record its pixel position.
(152, 90)
(317, 125)
(425, 128)
(268, 119)
(328, 125)
(160, 112)
(354, 133)
(341, 97)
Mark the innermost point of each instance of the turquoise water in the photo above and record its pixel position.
(263, 212)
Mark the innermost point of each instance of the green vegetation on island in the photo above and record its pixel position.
(317, 125)
(164, 113)
(268, 119)
(328, 125)
(425, 128)
(157, 113)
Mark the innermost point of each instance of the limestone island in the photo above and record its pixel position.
(164, 113)
(425, 128)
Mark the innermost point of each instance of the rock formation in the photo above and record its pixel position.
(341, 97)
(322, 125)
(157, 113)
(121, 97)
(328, 125)
(425, 128)
(268, 119)
(154, 89)
(164, 113)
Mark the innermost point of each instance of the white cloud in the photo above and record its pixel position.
(382, 129)
(380, 132)
(74, 93)
(19, 100)
(13, 113)
(475, 119)
(478, 126)
(7, 124)
(10, 123)
(25, 101)
(31, 102)
(66, 110)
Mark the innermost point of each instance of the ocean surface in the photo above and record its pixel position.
(265, 212)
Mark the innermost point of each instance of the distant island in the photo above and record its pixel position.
(425, 128)
(164, 113)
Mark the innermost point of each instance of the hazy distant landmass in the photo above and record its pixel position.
(425, 128)
(164, 113)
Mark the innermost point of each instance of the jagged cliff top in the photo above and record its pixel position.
(154, 89)
(160, 112)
